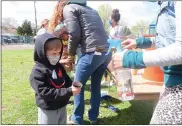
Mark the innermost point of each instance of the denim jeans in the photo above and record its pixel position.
(89, 65)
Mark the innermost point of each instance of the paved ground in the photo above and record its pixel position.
(17, 47)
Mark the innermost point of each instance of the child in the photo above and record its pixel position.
(53, 87)
(61, 32)
(44, 27)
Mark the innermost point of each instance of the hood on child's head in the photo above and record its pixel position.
(39, 49)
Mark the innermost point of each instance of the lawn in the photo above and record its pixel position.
(18, 104)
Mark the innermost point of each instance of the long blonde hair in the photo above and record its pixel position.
(57, 15)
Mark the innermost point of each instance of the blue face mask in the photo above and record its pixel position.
(110, 22)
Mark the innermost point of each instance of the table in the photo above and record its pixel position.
(145, 89)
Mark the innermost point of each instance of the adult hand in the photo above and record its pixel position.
(117, 59)
(129, 44)
(75, 90)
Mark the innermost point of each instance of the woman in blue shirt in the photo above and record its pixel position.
(168, 55)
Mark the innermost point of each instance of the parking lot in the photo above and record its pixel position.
(15, 39)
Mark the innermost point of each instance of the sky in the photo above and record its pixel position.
(131, 11)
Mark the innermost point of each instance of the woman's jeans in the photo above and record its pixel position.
(89, 65)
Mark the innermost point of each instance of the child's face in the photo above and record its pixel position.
(54, 52)
(53, 55)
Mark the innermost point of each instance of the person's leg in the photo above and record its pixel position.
(87, 64)
(105, 76)
(105, 81)
(95, 92)
(95, 86)
(47, 117)
(84, 70)
(169, 108)
(112, 82)
(62, 113)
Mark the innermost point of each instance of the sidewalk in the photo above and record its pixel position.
(17, 47)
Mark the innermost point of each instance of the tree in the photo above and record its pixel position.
(105, 11)
(141, 27)
(20, 30)
(9, 25)
(9, 22)
(34, 32)
(25, 29)
(126, 30)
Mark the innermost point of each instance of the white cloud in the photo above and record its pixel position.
(25, 10)
(45, 9)
(18, 10)
(131, 11)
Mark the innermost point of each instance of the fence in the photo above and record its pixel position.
(7, 39)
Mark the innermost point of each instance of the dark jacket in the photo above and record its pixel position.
(50, 94)
(85, 28)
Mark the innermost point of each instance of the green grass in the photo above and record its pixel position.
(18, 104)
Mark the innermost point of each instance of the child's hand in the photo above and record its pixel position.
(65, 61)
(75, 90)
(68, 67)
(71, 59)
